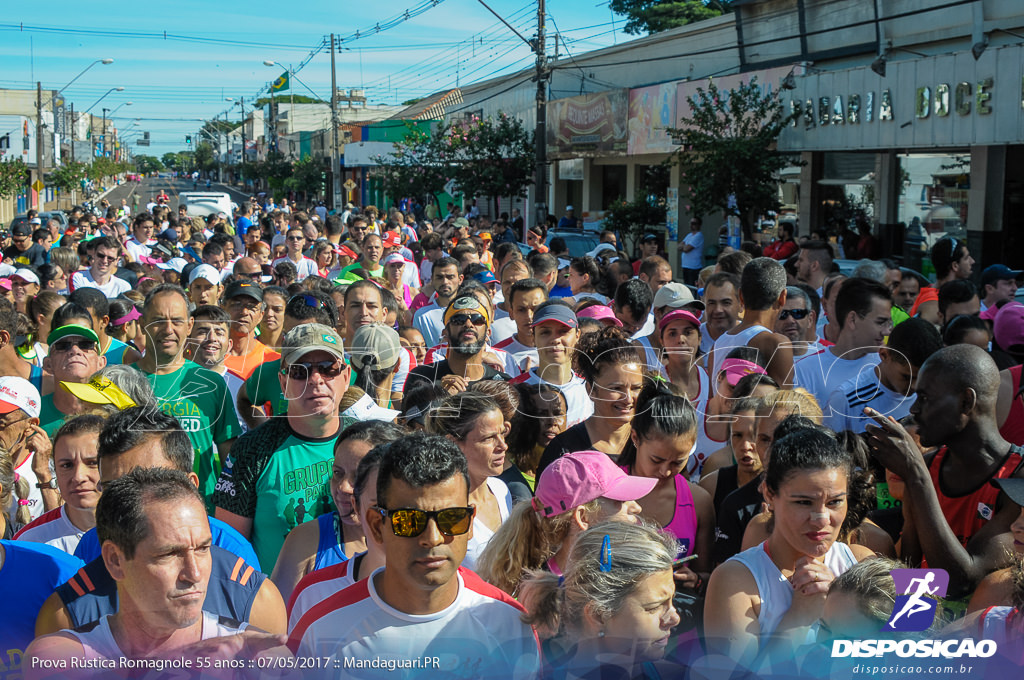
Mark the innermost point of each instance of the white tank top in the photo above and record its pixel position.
(99, 642)
(774, 589)
(727, 342)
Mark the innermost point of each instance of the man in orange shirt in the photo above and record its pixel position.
(243, 301)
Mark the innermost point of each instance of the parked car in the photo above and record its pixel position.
(44, 217)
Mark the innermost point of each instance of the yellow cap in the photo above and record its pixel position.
(100, 390)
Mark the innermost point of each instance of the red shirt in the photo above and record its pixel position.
(967, 514)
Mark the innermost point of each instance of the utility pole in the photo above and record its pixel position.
(103, 134)
(541, 133)
(72, 132)
(241, 102)
(39, 140)
(335, 165)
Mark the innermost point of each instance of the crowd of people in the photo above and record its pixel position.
(374, 442)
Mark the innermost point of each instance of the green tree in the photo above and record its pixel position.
(204, 156)
(275, 170)
(147, 164)
(68, 176)
(416, 167)
(728, 155)
(105, 167)
(491, 157)
(13, 178)
(653, 16)
(307, 175)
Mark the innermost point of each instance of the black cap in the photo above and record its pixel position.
(648, 238)
(1014, 488)
(21, 229)
(239, 288)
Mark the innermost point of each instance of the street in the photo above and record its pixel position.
(150, 187)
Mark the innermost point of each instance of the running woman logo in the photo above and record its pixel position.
(917, 590)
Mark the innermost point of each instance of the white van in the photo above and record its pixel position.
(203, 203)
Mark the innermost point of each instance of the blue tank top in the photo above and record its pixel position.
(30, 573)
(35, 376)
(328, 549)
(91, 593)
(224, 535)
(115, 352)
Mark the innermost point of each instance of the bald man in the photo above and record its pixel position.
(249, 268)
(954, 517)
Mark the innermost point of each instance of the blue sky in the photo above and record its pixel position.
(174, 84)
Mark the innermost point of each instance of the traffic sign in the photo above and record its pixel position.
(38, 185)
(349, 184)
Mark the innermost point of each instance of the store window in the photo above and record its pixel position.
(934, 190)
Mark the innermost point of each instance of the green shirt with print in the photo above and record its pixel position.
(263, 387)
(199, 399)
(278, 479)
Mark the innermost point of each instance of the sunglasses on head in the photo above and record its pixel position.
(461, 319)
(410, 522)
(953, 243)
(302, 371)
(797, 314)
(65, 345)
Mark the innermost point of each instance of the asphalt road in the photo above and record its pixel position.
(149, 188)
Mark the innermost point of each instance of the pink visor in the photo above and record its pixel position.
(735, 369)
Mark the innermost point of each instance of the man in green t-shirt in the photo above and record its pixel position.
(277, 475)
(373, 248)
(196, 396)
(74, 356)
(263, 389)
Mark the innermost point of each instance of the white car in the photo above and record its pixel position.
(203, 203)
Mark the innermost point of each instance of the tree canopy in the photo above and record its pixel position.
(728, 156)
(653, 16)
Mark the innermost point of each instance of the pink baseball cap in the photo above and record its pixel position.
(1008, 327)
(5, 284)
(676, 315)
(600, 313)
(577, 478)
(735, 369)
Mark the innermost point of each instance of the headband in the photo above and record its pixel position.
(466, 303)
(130, 316)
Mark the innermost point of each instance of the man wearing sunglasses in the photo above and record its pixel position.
(294, 242)
(466, 321)
(422, 604)
(277, 475)
(74, 356)
(106, 250)
(798, 322)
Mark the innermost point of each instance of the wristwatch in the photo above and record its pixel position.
(52, 484)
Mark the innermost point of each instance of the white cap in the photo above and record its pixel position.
(18, 393)
(568, 208)
(393, 257)
(205, 271)
(563, 263)
(175, 263)
(35, 220)
(600, 248)
(26, 275)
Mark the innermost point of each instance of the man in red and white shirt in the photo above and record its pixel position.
(422, 605)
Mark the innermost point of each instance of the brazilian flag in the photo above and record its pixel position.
(282, 83)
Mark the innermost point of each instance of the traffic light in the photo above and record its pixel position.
(188, 139)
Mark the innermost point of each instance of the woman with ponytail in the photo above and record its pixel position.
(576, 492)
(662, 435)
(612, 611)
